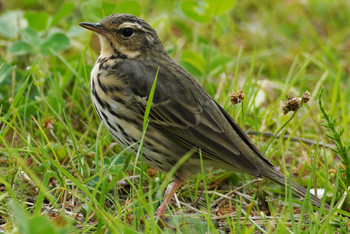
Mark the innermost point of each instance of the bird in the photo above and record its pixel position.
(183, 117)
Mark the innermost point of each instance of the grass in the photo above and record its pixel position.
(60, 170)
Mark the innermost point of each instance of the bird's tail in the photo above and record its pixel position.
(298, 190)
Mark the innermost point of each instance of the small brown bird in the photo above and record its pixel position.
(183, 116)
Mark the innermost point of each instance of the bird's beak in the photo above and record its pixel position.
(97, 27)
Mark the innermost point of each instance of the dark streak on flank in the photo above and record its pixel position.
(123, 117)
(118, 99)
(98, 113)
(105, 116)
(102, 103)
(102, 86)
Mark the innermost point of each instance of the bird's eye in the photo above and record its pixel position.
(127, 32)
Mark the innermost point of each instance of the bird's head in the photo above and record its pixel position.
(125, 36)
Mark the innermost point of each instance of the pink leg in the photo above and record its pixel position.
(169, 193)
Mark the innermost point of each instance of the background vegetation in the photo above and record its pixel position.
(61, 172)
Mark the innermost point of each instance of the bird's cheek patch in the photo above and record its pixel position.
(129, 53)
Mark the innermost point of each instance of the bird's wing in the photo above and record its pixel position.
(184, 112)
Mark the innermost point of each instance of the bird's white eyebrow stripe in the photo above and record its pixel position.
(131, 25)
